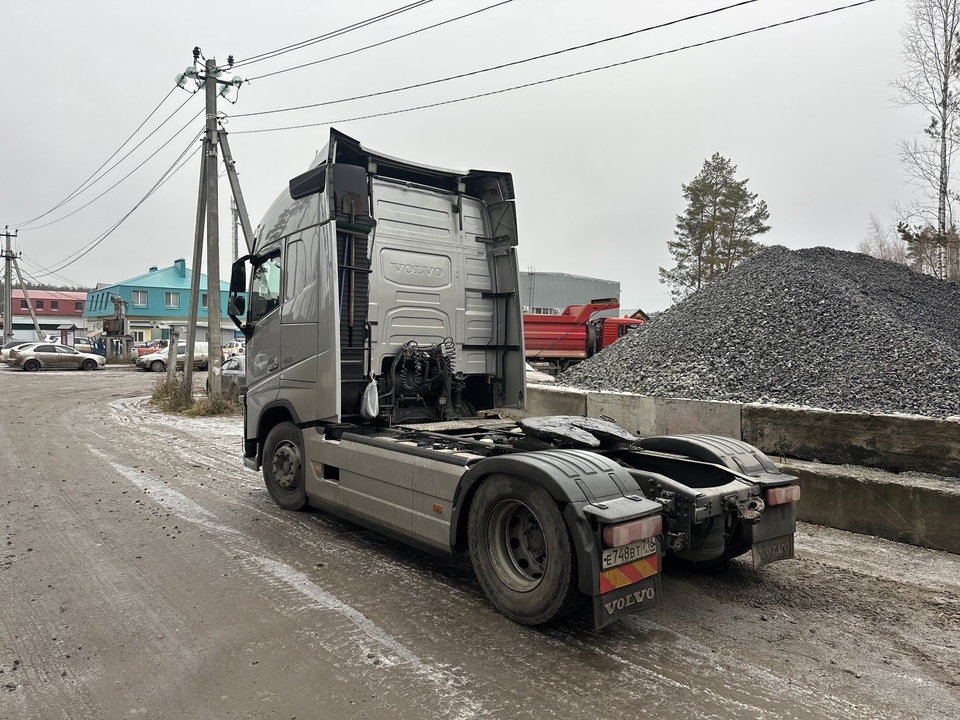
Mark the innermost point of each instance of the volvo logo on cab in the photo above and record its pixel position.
(414, 269)
(409, 269)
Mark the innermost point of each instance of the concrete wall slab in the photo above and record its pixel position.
(915, 510)
(634, 413)
(888, 442)
(677, 417)
(547, 400)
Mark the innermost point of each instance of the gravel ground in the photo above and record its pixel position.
(818, 328)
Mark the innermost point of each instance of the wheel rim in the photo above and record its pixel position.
(286, 466)
(517, 545)
(31, 366)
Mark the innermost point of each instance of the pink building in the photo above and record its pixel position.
(56, 311)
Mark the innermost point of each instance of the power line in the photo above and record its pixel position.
(385, 42)
(332, 34)
(489, 69)
(65, 281)
(83, 186)
(170, 172)
(145, 161)
(560, 77)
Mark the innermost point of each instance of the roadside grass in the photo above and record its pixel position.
(168, 397)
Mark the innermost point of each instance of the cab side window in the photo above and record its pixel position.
(265, 290)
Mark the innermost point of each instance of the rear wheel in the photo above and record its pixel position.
(89, 364)
(31, 365)
(521, 551)
(283, 469)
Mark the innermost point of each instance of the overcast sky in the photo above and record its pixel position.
(804, 111)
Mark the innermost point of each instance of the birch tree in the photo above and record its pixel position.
(930, 81)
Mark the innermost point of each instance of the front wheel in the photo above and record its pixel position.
(283, 469)
(157, 366)
(89, 364)
(521, 551)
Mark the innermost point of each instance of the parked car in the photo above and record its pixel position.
(233, 347)
(5, 351)
(233, 375)
(47, 355)
(83, 345)
(535, 377)
(152, 346)
(157, 362)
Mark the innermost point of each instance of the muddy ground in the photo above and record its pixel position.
(145, 572)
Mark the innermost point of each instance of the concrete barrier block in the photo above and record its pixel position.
(920, 511)
(547, 400)
(888, 442)
(675, 417)
(636, 414)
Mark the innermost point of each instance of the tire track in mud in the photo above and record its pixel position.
(374, 643)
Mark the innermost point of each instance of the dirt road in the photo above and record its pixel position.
(146, 573)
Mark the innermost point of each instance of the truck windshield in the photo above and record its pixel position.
(265, 288)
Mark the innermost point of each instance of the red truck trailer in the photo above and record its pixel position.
(555, 342)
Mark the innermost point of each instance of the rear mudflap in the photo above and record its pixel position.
(627, 589)
(768, 551)
(772, 537)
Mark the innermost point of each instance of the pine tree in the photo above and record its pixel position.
(716, 231)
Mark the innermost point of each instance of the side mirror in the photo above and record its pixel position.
(238, 276)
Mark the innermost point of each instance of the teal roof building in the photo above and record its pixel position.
(158, 298)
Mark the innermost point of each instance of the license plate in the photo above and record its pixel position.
(628, 553)
(611, 606)
(768, 551)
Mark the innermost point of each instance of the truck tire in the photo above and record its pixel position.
(283, 466)
(521, 551)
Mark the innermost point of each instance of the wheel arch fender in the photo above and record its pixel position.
(574, 479)
(735, 454)
(276, 412)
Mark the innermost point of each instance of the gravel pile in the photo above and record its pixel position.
(819, 328)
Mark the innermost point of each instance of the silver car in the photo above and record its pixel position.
(5, 351)
(47, 355)
(233, 375)
(157, 362)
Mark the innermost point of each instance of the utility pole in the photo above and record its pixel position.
(235, 229)
(195, 280)
(7, 288)
(208, 209)
(213, 231)
(242, 214)
(26, 297)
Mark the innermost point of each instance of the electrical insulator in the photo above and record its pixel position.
(196, 53)
(229, 60)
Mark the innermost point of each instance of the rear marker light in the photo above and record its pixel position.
(631, 532)
(783, 495)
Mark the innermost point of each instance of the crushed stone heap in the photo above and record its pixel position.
(819, 328)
